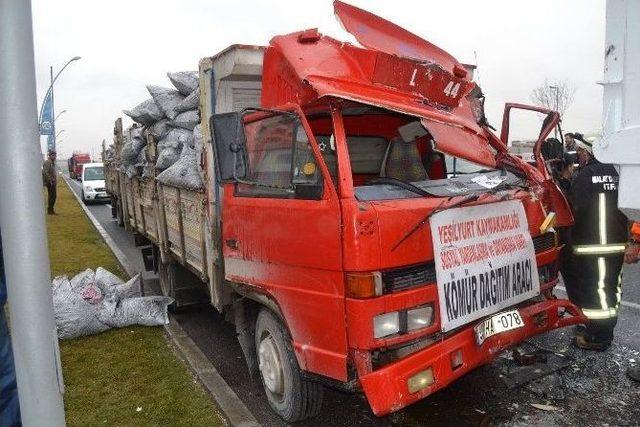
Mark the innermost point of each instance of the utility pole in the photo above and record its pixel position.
(53, 114)
(26, 261)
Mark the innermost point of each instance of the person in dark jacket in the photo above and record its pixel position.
(592, 259)
(9, 408)
(50, 180)
(565, 173)
(552, 152)
(570, 142)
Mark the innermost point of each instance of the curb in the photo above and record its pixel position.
(232, 408)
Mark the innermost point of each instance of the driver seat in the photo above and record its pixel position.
(403, 162)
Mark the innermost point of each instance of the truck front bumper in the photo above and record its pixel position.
(387, 388)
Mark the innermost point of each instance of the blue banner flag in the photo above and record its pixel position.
(46, 121)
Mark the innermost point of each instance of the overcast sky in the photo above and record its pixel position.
(127, 44)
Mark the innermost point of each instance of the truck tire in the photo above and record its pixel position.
(292, 396)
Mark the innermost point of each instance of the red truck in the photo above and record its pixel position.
(334, 229)
(75, 163)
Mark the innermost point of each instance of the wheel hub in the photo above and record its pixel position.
(270, 365)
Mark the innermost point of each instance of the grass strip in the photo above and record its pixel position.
(126, 376)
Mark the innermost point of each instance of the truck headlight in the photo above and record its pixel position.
(420, 317)
(88, 189)
(386, 324)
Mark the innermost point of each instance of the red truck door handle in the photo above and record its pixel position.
(232, 243)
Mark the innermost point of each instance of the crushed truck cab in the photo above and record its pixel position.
(338, 229)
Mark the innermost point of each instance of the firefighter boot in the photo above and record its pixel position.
(595, 335)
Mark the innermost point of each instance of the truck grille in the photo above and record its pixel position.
(403, 278)
(544, 242)
(400, 279)
(101, 189)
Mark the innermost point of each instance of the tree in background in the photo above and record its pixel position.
(554, 94)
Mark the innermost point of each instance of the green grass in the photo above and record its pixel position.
(74, 244)
(122, 377)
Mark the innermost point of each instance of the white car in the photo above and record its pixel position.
(92, 181)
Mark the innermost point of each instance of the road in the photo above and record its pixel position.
(591, 390)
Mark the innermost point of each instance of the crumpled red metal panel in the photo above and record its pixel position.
(455, 134)
(460, 142)
(377, 33)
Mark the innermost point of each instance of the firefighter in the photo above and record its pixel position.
(592, 259)
(49, 179)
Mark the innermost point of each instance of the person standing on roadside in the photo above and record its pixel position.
(9, 407)
(50, 180)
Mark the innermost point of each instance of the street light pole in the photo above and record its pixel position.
(50, 90)
(26, 260)
(58, 134)
(59, 114)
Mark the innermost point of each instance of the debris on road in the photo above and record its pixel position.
(524, 368)
(544, 407)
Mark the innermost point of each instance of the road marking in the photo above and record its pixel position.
(623, 302)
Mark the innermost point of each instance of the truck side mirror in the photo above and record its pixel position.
(227, 133)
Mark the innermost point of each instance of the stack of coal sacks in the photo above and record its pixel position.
(170, 115)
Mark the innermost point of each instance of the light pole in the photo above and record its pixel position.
(24, 237)
(52, 142)
(59, 114)
(556, 89)
(59, 132)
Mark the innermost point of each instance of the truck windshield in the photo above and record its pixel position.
(457, 166)
(93, 173)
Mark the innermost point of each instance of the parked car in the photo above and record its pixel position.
(92, 179)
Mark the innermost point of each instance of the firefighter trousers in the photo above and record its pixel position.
(594, 283)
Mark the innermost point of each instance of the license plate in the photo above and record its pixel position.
(501, 322)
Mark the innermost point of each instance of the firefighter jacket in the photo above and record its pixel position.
(600, 228)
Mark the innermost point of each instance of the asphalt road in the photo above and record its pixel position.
(591, 390)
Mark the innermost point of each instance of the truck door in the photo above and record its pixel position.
(529, 117)
(281, 232)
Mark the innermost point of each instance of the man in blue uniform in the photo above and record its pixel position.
(9, 408)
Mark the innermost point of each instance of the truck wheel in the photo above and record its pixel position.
(291, 396)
